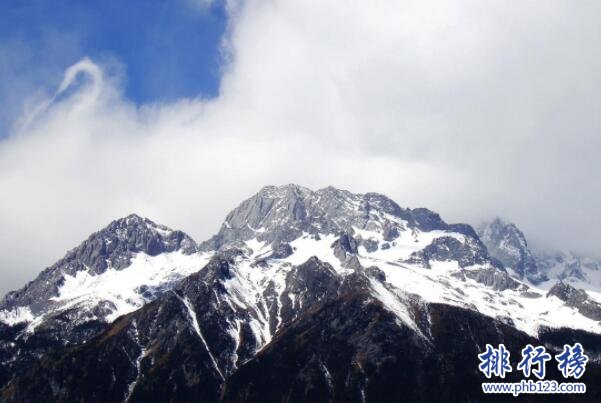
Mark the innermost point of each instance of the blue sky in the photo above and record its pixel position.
(166, 50)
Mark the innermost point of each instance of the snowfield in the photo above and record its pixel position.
(124, 290)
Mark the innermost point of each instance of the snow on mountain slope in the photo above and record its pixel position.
(579, 271)
(283, 255)
(410, 254)
(16, 315)
(418, 253)
(526, 307)
(129, 288)
(115, 271)
(134, 260)
(543, 269)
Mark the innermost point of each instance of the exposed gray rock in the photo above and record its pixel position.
(391, 232)
(283, 213)
(507, 243)
(370, 245)
(344, 246)
(282, 251)
(218, 334)
(345, 249)
(64, 323)
(494, 278)
(427, 220)
(575, 298)
(279, 215)
(375, 272)
(113, 246)
(447, 248)
(346, 243)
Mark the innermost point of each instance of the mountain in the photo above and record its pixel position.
(507, 243)
(301, 296)
(115, 271)
(580, 271)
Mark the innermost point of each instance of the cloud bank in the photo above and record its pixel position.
(467, 108)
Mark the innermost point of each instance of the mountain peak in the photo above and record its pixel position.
(507, 243)
(283, 213)
(133, 220)
(114, 246)
(282, 258)
(278, 216)
(280, 191)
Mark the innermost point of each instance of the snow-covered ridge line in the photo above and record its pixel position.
(539, 268)
(128, 289)
(526, 307)
(283, 227)
(122, 291)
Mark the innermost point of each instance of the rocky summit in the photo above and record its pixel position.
(302, 296)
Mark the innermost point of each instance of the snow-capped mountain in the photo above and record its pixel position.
(506, 242)
(313, 295)
(580, 271)
(115, 271)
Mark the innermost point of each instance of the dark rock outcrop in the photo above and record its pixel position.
(578, 299)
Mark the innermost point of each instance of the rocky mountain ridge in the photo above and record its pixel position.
(506, 242)
(293, 279)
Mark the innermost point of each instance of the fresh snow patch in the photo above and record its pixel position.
(407, 243)
(306, 246)
(246, 289)
(19, 314)
(392, 302)
(137, 364)
(440, 284)
(196, 327)
(123, 288)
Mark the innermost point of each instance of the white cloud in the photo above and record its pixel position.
(468, 108)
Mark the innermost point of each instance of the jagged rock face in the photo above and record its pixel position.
(345, 347)
(578, 299)
(344, 337)
(282, 214)
(41, 318)
(450, 249)
(301, 296)
(166, 336)
(491, 277)
(183, 345)
(114, 246)
(507, 243)
(279, 215)
(337, 352)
